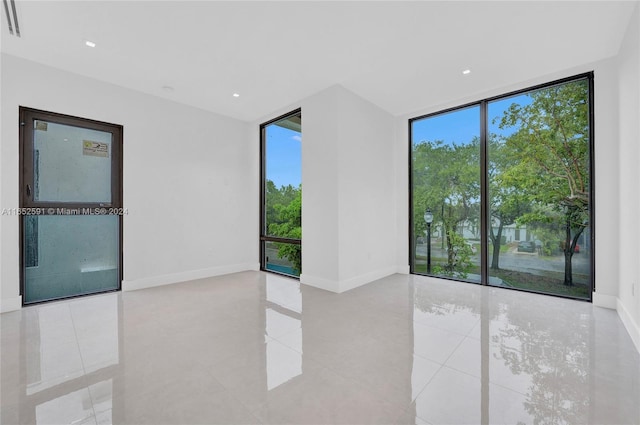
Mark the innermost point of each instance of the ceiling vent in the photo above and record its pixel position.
(12, 17)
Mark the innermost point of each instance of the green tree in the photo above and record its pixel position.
(275, 198)
(551, 147)
(288, 224)
(507, 203)
(446, 178)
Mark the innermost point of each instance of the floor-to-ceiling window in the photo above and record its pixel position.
(281, 195)
(446, 194)
(501, 191)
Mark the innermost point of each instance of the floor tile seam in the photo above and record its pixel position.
(285, 344)
(93, 401)
(374, 395)
(377, 397)
(423, 357)
(492, 382)
(210, 374)
(148, 392)
(442, 364)
(231, 392)
(211, 366)
(75, 330)
(453, 351)
(404, 413)
(425, 387)
(82, 360)
(474, 326)
(443, 329)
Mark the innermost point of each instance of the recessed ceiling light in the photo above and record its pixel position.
(466, 72)
(90, 43)
(236, 95)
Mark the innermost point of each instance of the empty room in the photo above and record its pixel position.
(319, 212)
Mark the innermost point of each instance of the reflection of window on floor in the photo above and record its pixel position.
(283, 326)
(31, 241)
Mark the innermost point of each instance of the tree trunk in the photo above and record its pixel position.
(569, 248)
(495, 258)
(568, 274)
(568, 252)
(451, 255)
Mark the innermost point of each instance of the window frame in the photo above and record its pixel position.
(263, 236)
(484, 181)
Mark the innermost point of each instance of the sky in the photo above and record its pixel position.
(284, 146)
(284, 156)
(462, 125)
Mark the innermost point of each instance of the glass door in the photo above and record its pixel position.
(71, 206)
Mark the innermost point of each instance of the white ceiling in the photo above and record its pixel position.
(402, 56)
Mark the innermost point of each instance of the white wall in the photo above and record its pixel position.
(348, 196)
(629, 175)
(366, 201)
(320, 185)
(186, 174)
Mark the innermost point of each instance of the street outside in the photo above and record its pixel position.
(514, 260)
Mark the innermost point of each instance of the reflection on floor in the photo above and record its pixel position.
(259, 348)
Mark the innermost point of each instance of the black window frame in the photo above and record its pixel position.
(484, 182)
(264, 237)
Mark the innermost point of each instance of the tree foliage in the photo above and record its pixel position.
(284, 219)
(507, 202)
(538, 174)
(446, 179)
(550, 152)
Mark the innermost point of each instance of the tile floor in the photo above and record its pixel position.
(258, 348)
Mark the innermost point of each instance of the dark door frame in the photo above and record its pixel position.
(27, 116)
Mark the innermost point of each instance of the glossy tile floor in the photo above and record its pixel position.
(258, 348)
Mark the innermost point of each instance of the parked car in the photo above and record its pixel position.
(526, 246)
(576, 248)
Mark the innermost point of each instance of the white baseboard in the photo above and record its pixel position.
(629, 323)
(150, 282)
(11, 304)
(354, 282)
(339, 286)
(321, 283)
(403, 269)
(605, 301)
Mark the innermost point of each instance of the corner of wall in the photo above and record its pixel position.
(403, 269)
(627, 320)
(340, 286)
(605, 301)
(10, 304)
(354, 282)
(320, 283)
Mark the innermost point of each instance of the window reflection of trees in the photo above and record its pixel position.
(554, 351)
(549, 347)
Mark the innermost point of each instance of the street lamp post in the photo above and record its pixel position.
(428, 218)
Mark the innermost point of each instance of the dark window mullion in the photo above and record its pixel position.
(485, 219)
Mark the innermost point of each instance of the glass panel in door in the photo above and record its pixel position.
(71, 164)
(75, 255)
(71, 178)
